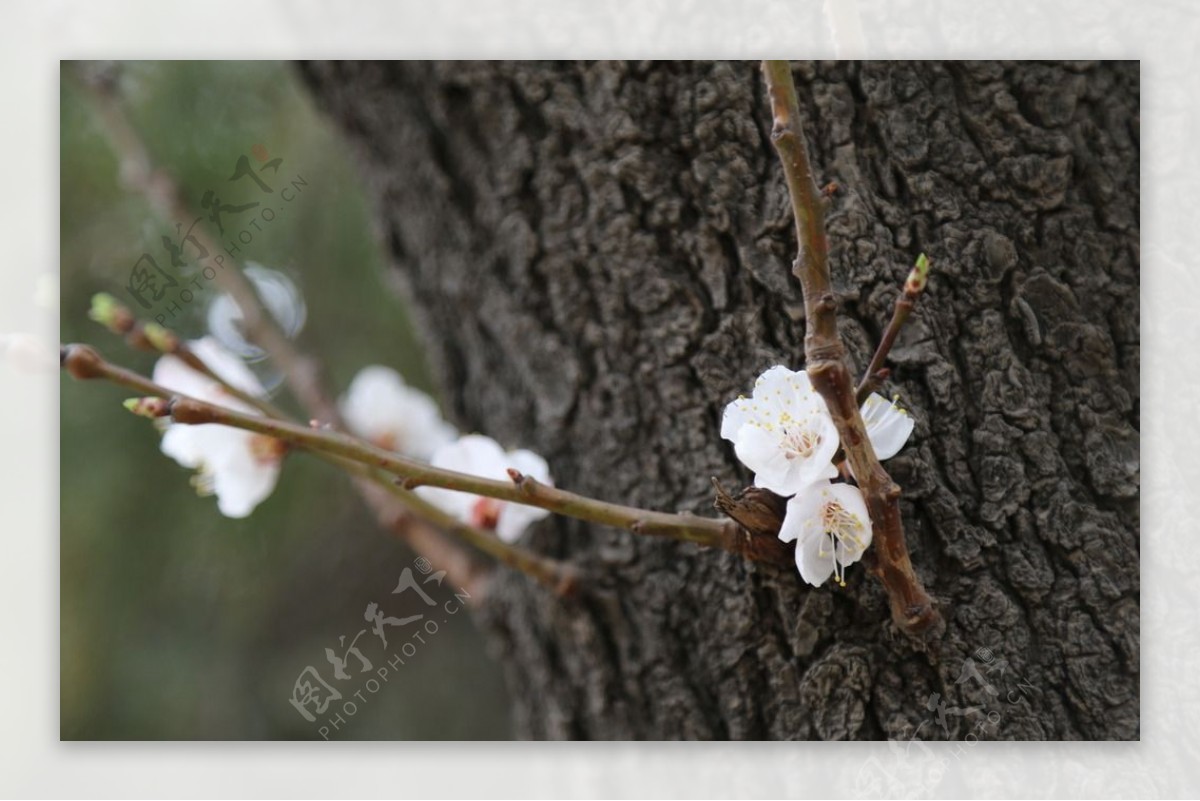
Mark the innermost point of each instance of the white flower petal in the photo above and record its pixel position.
(184, 444)
(228, 365)
(779, 378)
(381, 408)
(225, 456)
(760, 450)
(474, 454)
(452, 502)
(736, 415)
(172, 373)
(776, 391)
(784, 432)
(482, 456)
(814, 560)
(888, 426)
(242, 480)
(515, 518)
(777, 466)
(831, 527)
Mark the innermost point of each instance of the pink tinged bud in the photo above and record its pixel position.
(918, 277)
(148, 407)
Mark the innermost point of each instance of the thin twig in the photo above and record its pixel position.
(912, 608)
(558, 576)
(300, 371)
(913, 287)
(85, 362)
(157, 338)
(464, 571)
(165, 197)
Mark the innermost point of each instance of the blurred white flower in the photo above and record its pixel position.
(239, 467)
(382, 409)
(783, 432)
(831, 527)
(482, 456)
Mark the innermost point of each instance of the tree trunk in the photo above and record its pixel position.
(599, 257)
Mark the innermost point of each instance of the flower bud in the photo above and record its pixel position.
(917, 278)
(162, 339)
(111, 313)
(148, 407)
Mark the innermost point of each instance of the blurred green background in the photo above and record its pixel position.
(178, 623)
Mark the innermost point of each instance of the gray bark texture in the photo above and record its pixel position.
(599, 257)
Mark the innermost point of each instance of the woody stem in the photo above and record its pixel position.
(84, 362)
(912, 608)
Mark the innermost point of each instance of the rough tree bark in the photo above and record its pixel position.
(599, 257)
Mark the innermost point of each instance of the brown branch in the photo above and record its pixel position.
(85, 362)
(300, 371)
(912, 608)
(559, 577)
(117, 318)
(913, 287)
(394, 514)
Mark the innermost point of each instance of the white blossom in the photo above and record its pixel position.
(238, 466)
(783, 432)
(482, 456)
(888, 426)
(382, 409)
(831, 528)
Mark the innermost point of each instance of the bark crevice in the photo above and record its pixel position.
(599, 257)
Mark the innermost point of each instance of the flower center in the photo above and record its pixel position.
(799, 443)
(485, 513)
(386, 441)
(842, 535)
(267, 450)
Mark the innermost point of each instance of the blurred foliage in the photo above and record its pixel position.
(177, 623)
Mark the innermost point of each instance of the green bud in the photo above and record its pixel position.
(919, 275)
(110, 313)
(163, 339)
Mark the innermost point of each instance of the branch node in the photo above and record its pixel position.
(911, 606)
(82, 362)
(527, 484)
(191, 412)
